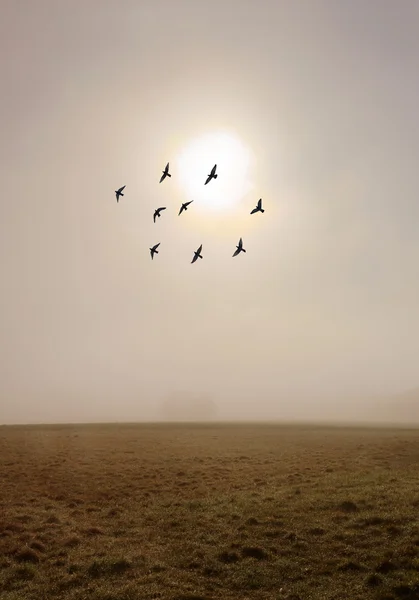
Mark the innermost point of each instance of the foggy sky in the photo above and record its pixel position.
(324, 304)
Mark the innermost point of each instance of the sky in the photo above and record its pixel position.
(322, 98)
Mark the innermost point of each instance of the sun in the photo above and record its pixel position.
(234, 161)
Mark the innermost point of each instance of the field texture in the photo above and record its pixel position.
(194, 512)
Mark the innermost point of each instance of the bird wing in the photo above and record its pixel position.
(253, 211)
(167, 168)
(181, 209)
(236, 252)
(199, 249)
(188, 203)
(121, 189)
(213, 170)
(161, 208)
(156, 246)
(208, 179)
(154, 217)
(194, 258)
(240, 243)
(260, 203)
(162, 177)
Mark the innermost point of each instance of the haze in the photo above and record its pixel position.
(324, 304)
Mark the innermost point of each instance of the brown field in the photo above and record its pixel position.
(194, 512)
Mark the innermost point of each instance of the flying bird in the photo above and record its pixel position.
(157, 212)
(154, 250)
(197, 254)
(184, 206)
(239, 248)
(258, 208)
(119, 192)
(165, 173)
(212, 175)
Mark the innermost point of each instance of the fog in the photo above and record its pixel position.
(318, 319)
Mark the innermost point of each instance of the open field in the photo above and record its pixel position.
(191, 512)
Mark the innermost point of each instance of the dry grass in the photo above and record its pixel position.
(194, 512)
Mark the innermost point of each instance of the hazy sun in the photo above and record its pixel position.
(233, 160)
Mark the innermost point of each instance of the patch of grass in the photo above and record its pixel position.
(228, 557)
(25, 572)
(93, 531)
(348, 506)
(100, 568)
(27, 555)
(317, 531)
(254, 552)
(373, 580)
(350, 565)
(386, 567)
(72, 541)
(210, 512)
(37, 546)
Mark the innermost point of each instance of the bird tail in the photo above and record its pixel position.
(156, 251)
(201, 256)
(262, 210)
(168, 175)
(215, 176)
(243, 250)
(121, 194)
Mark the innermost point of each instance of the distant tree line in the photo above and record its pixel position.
(188, 406)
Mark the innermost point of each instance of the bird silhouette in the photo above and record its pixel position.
(184, 206)
(258, 208)
(212, 175)
(154, 250)
(197, 254)
(165, 173)
(157, 212)
(119, 192)
(239, 248)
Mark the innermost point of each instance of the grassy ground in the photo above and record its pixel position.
(193, 512)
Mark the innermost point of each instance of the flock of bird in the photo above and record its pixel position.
(184, 206)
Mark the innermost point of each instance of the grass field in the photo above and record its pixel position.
(194, 512)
